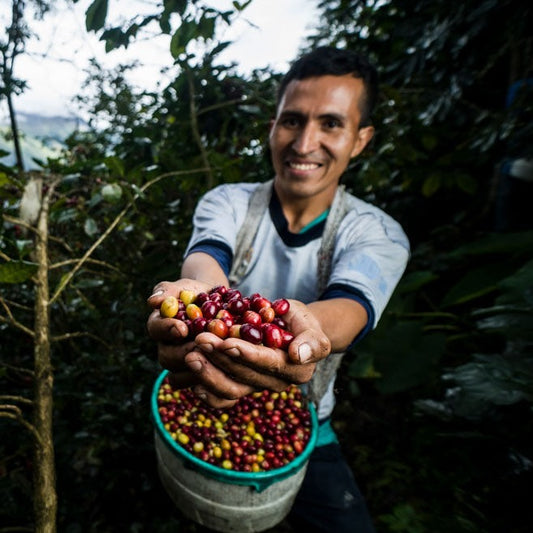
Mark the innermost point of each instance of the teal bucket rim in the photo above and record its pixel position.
(260, 480)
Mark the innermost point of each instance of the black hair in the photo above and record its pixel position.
(326, 60)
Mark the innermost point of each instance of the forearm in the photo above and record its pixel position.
(202, 267)
(341, 319)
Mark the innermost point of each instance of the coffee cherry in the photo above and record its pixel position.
(235, 331)
(234, 310)
(287, 338)
(236, 306)
(254, 435)
(218, 327)
(210, 309)
(251, 333)
(281, 306)
(187, 296)
(272, 336)
(198, 325)
(193, 311)
(170, 307)
(267, 314)
(252, 317)
(257, 302)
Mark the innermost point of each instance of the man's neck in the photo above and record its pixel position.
(302, 211)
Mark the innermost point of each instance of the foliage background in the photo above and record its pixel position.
(434, 407)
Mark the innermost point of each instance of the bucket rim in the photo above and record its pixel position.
(258, 479)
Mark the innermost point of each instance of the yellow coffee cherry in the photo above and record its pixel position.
(169, 308)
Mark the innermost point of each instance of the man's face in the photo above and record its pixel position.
(316, 133)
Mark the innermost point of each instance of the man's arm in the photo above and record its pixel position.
(341, 319)
(222, 370)
(202, 267)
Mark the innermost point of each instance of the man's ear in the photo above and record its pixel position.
(364, 136)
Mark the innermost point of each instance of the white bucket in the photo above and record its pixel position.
(226, 500)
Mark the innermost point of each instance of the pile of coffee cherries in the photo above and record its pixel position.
(262, 431)
(225, 312)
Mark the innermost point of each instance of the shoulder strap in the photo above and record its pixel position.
(257, 205)
(325, 253)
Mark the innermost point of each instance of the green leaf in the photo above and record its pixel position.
(466, 183)
(496, 243)
(96, 15)
(182, 36)
(476, 283)
(17, 271)
(431, 185)
(404, 356)
(115, 164)
(206, 27)
(90, 227)
(112, 192)
(415, 280)
(517, 288)
(4, 180)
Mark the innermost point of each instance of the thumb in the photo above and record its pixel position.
(309, 347)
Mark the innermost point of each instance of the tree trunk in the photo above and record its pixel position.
(45, 497)
(15, 132)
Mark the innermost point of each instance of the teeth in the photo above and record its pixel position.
(303, 166)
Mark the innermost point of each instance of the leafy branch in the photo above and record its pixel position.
(68, 278)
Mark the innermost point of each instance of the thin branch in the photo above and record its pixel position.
(68, 278)
(14, 413)
(18, 369)
(19, 222)
(5, 257)
(77, 334)
(220, 105)
(20, 399)
(13, 321)
(61, 242)
(92, 261)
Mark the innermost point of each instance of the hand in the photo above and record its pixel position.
(231, 368)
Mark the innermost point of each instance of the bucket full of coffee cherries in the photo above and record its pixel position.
(237, 469)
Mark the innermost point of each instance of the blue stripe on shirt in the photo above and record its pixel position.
(223, 255)
(339, 290)
(218, 250)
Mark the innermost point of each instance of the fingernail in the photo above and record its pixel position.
(304, 353)
(233, 352)
(195, 366)
(157, 293)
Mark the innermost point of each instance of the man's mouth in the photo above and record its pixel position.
(302, 166)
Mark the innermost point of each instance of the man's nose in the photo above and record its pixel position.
(307, 140)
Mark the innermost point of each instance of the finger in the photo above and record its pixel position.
(245, 374)
(214, 379)
(260, 366)
(166, 329)
(161, 291)
(310, 346)
(212, 399)
(172, 356)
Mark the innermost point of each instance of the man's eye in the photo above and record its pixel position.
(332, 123)
(291, 122)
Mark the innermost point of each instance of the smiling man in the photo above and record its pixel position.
(300, 236)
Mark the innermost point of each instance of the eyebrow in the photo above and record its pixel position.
(322, 116)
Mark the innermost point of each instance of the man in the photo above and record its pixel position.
(322, 122)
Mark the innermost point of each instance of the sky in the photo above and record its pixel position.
(268, 33)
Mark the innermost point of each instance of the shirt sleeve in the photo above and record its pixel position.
(217, 218)
(370, 257)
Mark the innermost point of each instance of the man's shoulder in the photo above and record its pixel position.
(361, 213)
